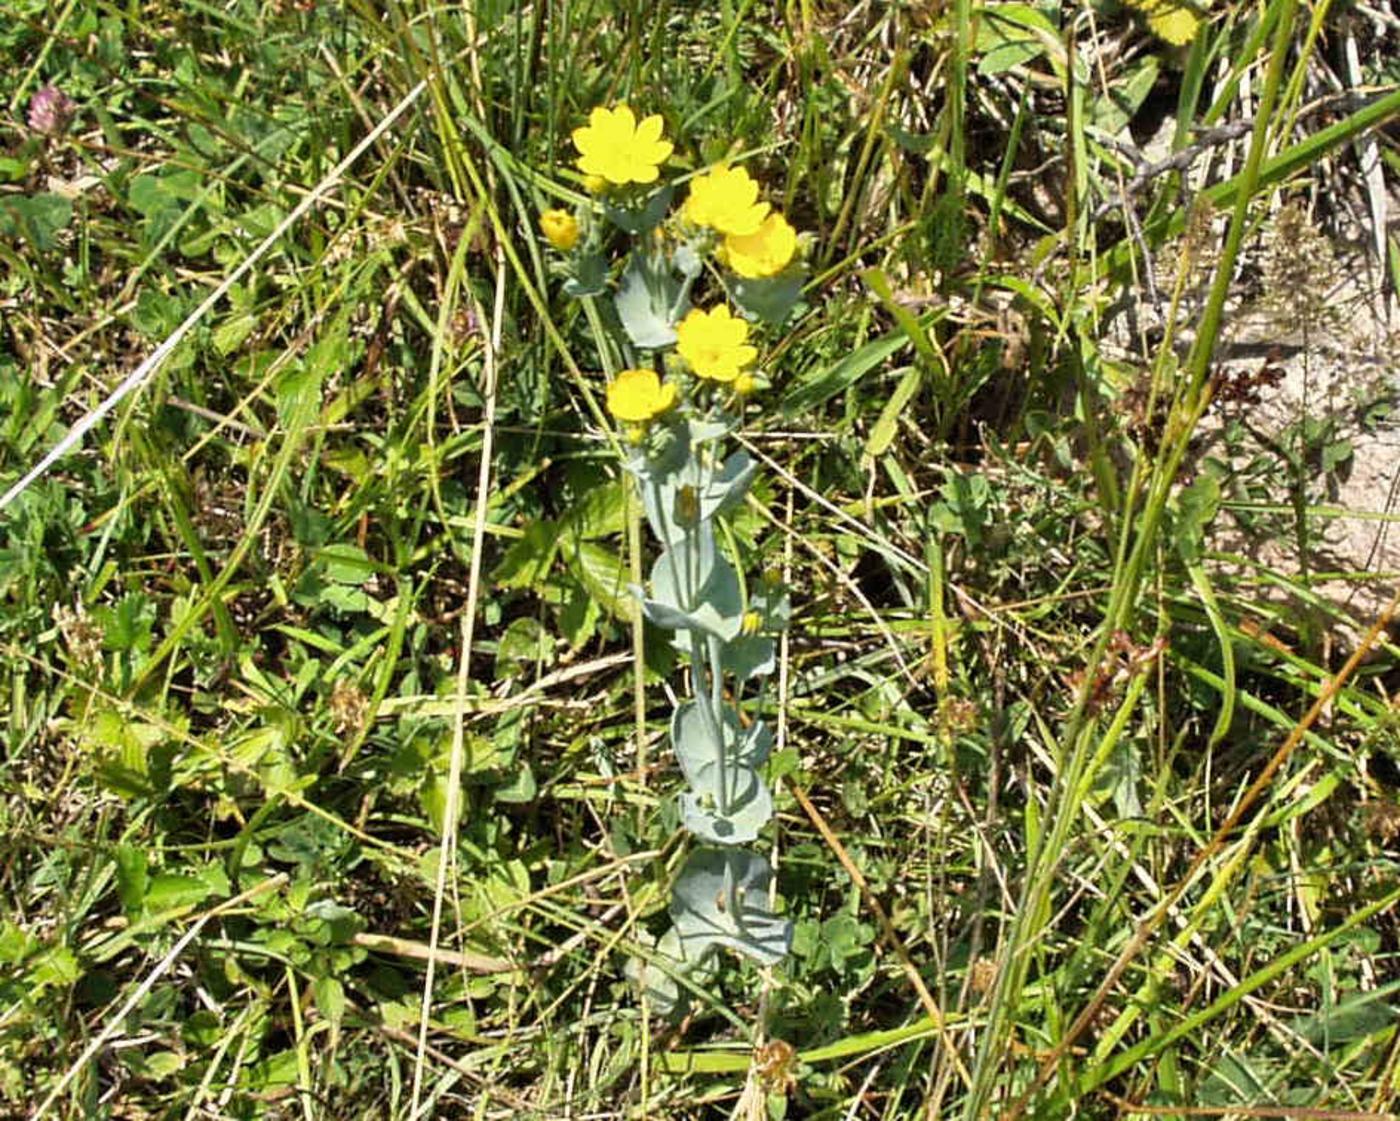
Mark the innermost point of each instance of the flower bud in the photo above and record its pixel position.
(560, 229)
(687, 506)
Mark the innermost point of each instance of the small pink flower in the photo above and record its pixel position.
(51, 111)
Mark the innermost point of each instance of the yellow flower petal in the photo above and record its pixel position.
(1176, 21)
(725, 199)
(1177, 26)
(766, 252)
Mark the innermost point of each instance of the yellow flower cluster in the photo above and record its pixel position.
(757, 242)
(617, 150)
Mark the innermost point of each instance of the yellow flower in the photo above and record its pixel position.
(614, 146)
(637, 396)
(766, 251)
(714, 343)
(726, 199)
(1172, 20)
(745, 384)
(560, 229)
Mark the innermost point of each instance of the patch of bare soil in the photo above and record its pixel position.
(1322, 344)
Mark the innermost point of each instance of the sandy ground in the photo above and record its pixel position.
(1335, 351)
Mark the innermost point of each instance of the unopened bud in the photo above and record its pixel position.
(560, 229)
(687, 506)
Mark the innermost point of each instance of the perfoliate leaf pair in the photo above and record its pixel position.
(728, 802)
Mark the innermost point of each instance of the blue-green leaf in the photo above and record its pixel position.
(728, 801)
(590, 276)
(749, 656)
(640, 219)
(656, 974)
(693, 491)
(715, 607)
(770, 298)
(645, 300)
(721, 899)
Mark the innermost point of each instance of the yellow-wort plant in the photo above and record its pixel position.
(690, 373)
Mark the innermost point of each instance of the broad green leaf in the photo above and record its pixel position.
(228, 336)
(161, 1064)
(57, 965)
(528, 560)
(1121, 773)
(1195, 508)
(124, 750)
(329, 995)
(132, 877)
(601, 512)
(168, 890)
(16, 944)
(1115, 108)
(883, 433)
(603, 574)
(127, 624)
(579, 616)
(36, 218)
(520, 789)
(1354, 1017)
(166, 191)
(273, 1075)
(345, 563)
(347, 599)
(524, 647)
(1011, 34)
